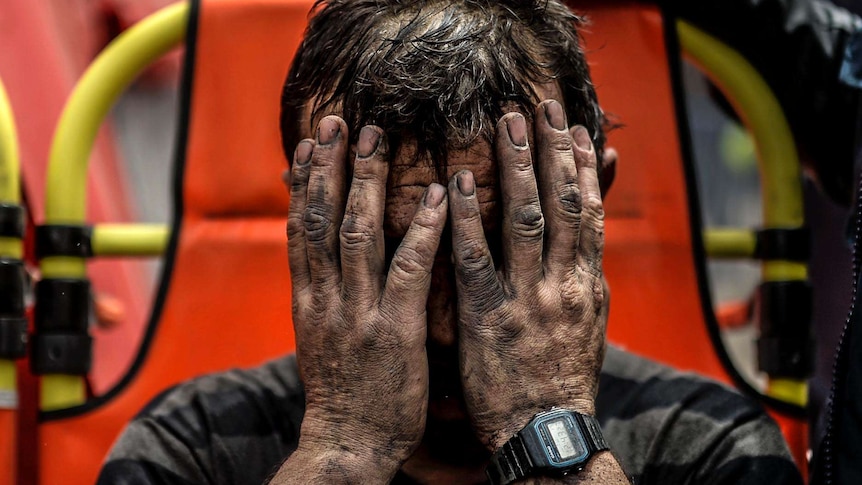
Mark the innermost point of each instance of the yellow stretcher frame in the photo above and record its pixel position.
(779, 167)
(116, 67)
(65, 194)
(10, 192)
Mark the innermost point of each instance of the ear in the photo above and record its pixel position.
(608, 170)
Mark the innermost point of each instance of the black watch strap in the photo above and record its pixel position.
(509, 463)
(595, 438)
(512, 462)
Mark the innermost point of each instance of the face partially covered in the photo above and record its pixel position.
(448, 436)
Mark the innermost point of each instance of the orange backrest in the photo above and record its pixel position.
(225, 298)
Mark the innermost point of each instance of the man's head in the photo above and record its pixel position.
(436, 76)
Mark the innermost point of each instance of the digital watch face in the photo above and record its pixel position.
(562, 439)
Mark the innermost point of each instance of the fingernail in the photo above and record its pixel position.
(327, 131)
(554, 114)
(434, 195)
(517, 128)
(369, 139)
(303, 153)
(582, 139)
(466, 184)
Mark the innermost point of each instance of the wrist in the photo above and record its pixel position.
(359, 451)
(517, 420)
(311, 463)
(602, 468)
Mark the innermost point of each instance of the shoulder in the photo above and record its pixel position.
(228, 427)
(668, 426)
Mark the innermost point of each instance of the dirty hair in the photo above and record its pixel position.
(437, 73)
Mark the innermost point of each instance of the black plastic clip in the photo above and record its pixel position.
(64, 240)
(13, 338)
(61, 353)
(12, 220)
(786, 347)
(13, 287)
(13, 324)
(62, 305)
(783, 244)
(61, 343)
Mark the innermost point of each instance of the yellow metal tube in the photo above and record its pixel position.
(762, 114)
(60, 391)
(130, 239)
(94, 95)
(789, 390)
(779, 162)
(103, 82)
(729, 243)
(10, 192)
(10, 171)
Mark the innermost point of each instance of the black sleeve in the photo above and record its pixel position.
(671, 427)
(717, 437)
(234, 427)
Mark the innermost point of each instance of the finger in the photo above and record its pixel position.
(325, 201)
(477, 283)
(362, 251)
(523, 223)
(561, 199)
(592, 240)
(296, 244)
(409, 277)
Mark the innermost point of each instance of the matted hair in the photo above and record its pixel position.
(436, 72)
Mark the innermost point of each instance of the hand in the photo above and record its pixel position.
(531, 333)
(360, 330)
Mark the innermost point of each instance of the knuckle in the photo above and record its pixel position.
(366, 174)
(409, 262)
(295, 226)
(594, 208)
(425, 221)
(598, 294)
(316, 222)
(299, 181)
(355, 234)
(374, 334)
(509, 329)
(528, 221)
(575, 302)
(560, 142)
(570, 199)
(474, 257)
(521, 162)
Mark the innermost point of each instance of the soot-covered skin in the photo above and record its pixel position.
(360, 323)
(531, 330)
(382, 297)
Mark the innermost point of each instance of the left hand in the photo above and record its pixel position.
(531, 334)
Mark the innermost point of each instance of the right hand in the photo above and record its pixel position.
(360, 327)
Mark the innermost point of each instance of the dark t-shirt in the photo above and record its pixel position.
(664, 426)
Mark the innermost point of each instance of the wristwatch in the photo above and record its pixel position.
(554, 443)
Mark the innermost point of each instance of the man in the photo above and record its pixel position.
(421, 353)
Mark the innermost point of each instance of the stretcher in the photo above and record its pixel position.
(224, 294)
